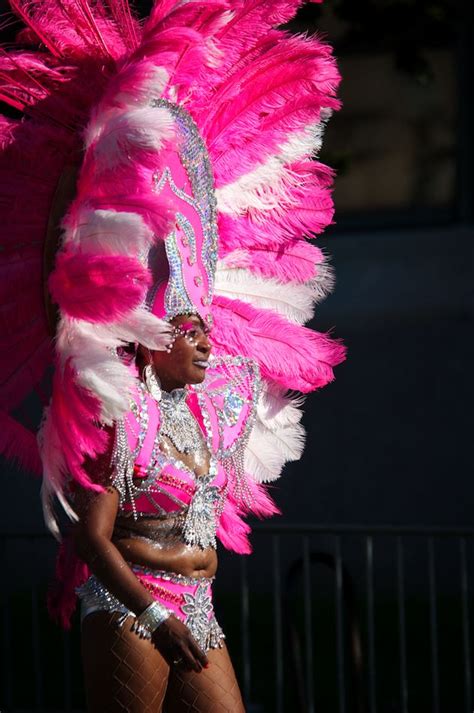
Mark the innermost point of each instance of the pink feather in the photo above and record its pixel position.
(33, 354)
(71, 572)
(74, 415)
(295, 357)
(98, 288)
(233, 531)
(295, 262)
(19, 445)
(251, 21)
(246, 125)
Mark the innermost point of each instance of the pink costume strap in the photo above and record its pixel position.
(153, 424)
(229, 396)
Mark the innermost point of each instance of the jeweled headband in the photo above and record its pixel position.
(184, 267)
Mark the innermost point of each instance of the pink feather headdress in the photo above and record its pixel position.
(198, 190)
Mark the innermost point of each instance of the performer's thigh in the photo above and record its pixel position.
(123, 673)
(214, 690)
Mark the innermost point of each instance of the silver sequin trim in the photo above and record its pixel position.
(195, 159)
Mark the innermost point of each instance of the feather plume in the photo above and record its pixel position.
(68, 434)
(293, 356)
(278, 436)
(233, 531)
(298, 261)
(124, 133)
(277, 409)
(71, 572)
(111, 232)
(312, 211)
(18, 444)
(91, 350)
(266, 185)
(155, 213)
(91, 354)
(245, 26)
(99, 288)
(293, 301)
(267, 451)
(274, 103)
(142, 327)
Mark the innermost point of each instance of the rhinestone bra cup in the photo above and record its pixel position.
(178, 426)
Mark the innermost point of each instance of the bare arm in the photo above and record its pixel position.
(92, 536)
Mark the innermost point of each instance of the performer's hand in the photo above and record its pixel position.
(178, 646)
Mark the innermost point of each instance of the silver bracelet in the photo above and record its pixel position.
(150, 619)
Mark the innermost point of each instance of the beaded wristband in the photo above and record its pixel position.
(150, 619)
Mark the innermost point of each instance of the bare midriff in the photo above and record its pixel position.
(145, 547)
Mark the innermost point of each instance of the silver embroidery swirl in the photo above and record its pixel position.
(195, 159)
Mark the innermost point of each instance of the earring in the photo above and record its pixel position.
(152, 382)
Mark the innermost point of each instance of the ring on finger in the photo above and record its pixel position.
(177, 661)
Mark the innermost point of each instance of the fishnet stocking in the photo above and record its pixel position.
(126, 674)
(214, 690)
(123, 673)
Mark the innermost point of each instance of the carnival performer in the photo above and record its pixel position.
(159, 193)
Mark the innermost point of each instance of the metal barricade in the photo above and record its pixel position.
(329, 619)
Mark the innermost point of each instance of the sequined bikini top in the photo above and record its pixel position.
(152, 481)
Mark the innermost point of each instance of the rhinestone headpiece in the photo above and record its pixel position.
(183, 267)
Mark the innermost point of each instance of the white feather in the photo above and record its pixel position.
(276, 409)
(92, 349)
(144, 328)
(325, 279)
(98, 368)
(48, 493)
(265, 187)
(110, 232)
(143, 128)
(292, 300)
(267, 451)
(53, 475)
(277, 436)
(47, 504)
(152, 86)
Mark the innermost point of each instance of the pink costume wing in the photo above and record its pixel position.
(53, 80)
(263, 117)
(126, 95)
(100, 89)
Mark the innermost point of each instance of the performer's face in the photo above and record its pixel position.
(187, 361)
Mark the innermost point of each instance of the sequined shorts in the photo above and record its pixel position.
(188, 598)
